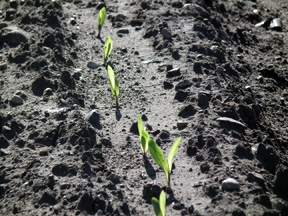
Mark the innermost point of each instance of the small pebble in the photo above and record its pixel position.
(136, 22)
(44, 152)
(276, 24)
(262, 23)
(255, 11)
(3, 25)
(13, 4)
(166, 33)
(248, 87)
(16, 100)
(168, 85)
(6, 128)
(230, 184)
(47, 92)
(123, 31)
(220, 70)
(214, 47)
(260, 78)
(73, 21)
(92, 65)
(230, 120)
(174, 72)
(94, 118)
(203, 100)
(3, 67)
(182, 124)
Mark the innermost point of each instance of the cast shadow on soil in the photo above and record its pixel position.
(149, 168)
(101, 40)
(118, 113)
(171, 198)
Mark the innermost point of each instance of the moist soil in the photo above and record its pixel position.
(211, 71)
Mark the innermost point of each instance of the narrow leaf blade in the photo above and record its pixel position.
(144, 141)
(158, 156)
(108, 48)
(116, 89)
(172, 153)
(155, 203)
(103, 15)
(162, 203)
(111, 78)
(99, 19)
(140, 126)
(146, 135)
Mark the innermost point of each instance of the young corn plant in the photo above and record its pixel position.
(107, 49)
(158, 157)
(159, 205)
(114, 84)
(101, 19)
(144, 136)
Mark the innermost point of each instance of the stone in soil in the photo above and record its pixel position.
(230, 184)
(94, 118)
(187, 111)
(16, 100)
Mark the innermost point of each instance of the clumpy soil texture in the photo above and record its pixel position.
(211, 71)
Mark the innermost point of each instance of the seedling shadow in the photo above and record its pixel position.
(101, 40)
(118, 113)
(171, 198)
(149, 168)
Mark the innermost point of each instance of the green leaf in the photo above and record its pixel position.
(162, 203)
(111, 78)
(101, 19)
(144, 136)
(143, 144)
(101, 16)
(140, 126)
(116, 89)
(113, 83)
(144, 141)
(172, 153)
(155, 203)
(158, 156)
(107, 48)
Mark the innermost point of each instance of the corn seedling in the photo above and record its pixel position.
(101, 19)
(158, 157)
(159, 205)
(107, 49)
(144, 136)
(114, 84)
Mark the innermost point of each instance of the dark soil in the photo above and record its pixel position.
(211, 71)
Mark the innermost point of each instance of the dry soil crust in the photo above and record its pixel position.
(196, 69)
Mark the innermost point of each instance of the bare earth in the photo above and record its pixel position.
(198, 69)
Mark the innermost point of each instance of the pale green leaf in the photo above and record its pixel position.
(146, 135)
(172, 153)
(155, 203)
(113, 83)
(101, 19)
(140, 126)
(144, 141)
(108, 48)
(162, 203)
(116, 89)
(111, 78)
(101, 16)
(158, 156)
